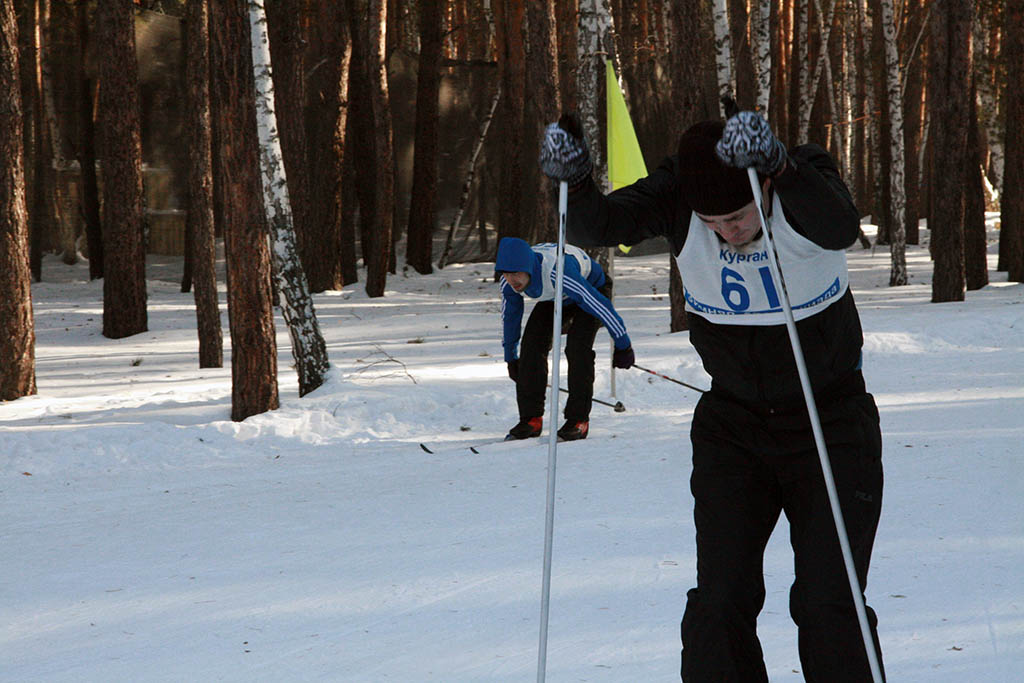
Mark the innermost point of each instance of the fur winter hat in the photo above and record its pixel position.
(710, 187)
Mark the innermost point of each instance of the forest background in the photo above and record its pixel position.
(407, 133)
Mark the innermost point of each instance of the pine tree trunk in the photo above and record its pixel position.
(124, 282)
(347, 219)
(17, 328)
(975, 239)
(360, 134)
(568, 52)
(898, 234)
(86, 110)
(948, 106)
(696, 103)
(913, 106)
(328, 114)
(744, 74)
(542, 107)
(202, 245)
(308, 347)
(423, 206)
(382, 178)
(253, 343)
(508, 23)
(1013, 179)
(288, 51)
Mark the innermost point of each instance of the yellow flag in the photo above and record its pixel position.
(625, 162)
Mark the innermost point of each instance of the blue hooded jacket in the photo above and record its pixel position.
(516, 255)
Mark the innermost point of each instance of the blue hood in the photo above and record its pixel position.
(515, 255)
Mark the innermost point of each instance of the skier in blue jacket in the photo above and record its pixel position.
(530, 271)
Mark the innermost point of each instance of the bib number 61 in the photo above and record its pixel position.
(735, 294)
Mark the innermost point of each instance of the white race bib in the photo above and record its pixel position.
(548, 261)
(734, 286)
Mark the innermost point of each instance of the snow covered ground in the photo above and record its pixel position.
(146, 537)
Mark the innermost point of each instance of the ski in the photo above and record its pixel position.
(462, 446)
(435, 449)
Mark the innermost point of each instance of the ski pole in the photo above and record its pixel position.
(658, 374)
(619, 408)
(819, 438)
(549, 517)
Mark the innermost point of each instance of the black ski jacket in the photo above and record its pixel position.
(751, 364)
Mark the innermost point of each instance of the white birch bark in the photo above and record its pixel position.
(308, 347)
(761, 34)
(723, 51)
(988, 99)
(807, 96)
(845, 101)
(831, 97)
(595, 35)
(898, 231)
(803, 75)
(864, 18)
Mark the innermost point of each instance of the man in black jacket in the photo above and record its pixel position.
(754, 454)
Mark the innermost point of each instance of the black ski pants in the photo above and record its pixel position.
(748, 466)
(581, 329)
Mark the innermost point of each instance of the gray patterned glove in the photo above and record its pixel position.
(747, 141)
(563, 152)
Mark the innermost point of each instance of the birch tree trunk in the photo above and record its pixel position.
(913, 105)
(808, 95)
(723, 51)
(898, 228)
(761, 34)
(804, 98)
(308, 347)
(987, 70)
(17, 329)
(595, 36)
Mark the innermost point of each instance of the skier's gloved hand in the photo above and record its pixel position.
(623, 358)
(563, 152)
(513, 370)
(748, 141)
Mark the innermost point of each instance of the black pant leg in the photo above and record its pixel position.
(533, 360)
(830, 641)
(736, 506)
(579, 352)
